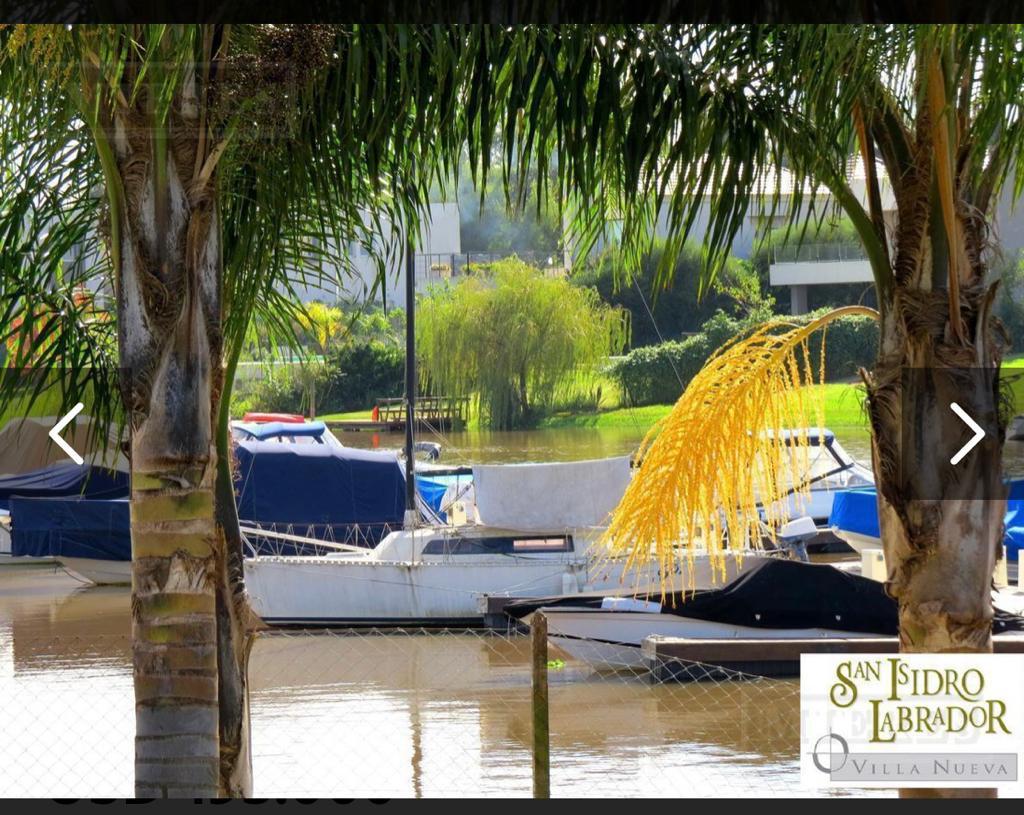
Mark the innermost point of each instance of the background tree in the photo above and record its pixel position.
(670, 308)
(514, 339)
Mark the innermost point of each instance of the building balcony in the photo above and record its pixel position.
(817, 265)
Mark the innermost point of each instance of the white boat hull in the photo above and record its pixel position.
(856, 540)
(360, 591)
(612, 639)
(100, 572)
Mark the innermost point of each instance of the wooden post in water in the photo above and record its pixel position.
(541, 740)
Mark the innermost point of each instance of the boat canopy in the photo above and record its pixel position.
(262, 431)
(65, 479)
(778, 594)
(784, 594)
(71, 527)
(319, 490)
(552, 496)
(316, 490)
(857, 511)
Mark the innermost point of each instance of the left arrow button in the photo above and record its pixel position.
(55, 432)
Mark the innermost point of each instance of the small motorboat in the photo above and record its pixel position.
(90, 539)
(780, 599)
(825, 470)
(62, 481)
(854, 519)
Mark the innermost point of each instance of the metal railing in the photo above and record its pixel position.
(311, 540)
(434, 268)
(818, 253)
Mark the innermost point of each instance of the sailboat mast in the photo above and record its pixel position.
(410, 383)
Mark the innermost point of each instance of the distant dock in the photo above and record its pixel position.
(440, 413)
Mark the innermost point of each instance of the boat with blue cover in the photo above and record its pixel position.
(292, 481)
(64, 481)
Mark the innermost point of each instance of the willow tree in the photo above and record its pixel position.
(514, 338)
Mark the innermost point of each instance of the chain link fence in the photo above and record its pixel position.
(412, 713)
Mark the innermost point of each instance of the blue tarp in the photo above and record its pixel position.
(70, 527)
(64, 479)
(857, 511)
(318, 489)
(432, 492)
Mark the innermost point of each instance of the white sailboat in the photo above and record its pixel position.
(531, 532)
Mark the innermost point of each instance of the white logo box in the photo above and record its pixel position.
(912, 720)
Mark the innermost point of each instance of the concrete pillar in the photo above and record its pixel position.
(798, 299)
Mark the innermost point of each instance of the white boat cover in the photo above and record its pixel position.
(549, 497)
(25, 445)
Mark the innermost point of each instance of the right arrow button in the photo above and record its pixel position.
(979, 433)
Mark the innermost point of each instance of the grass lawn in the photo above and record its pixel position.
(843, 408)
(363, 415)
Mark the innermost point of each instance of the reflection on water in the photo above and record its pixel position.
(493, 446)
(449, 714)
(383, 715)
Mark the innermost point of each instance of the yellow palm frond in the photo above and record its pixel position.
(719, 455)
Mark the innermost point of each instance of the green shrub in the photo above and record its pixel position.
(658, 374)
(360, 373)
(1009, 305)
(850, 344)
(284, 389)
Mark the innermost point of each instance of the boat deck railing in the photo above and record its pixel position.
(311, 540)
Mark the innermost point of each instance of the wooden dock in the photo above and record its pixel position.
(440, 413)
(685, 660)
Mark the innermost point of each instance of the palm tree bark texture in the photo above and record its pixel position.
(190, 634)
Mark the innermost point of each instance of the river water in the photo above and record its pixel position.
(379, 714)
(389, 715)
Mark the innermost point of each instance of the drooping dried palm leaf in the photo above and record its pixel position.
(720, 456)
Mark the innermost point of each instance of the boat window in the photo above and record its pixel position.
(541, 545)
(498, 545)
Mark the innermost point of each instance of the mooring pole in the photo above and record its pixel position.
(541, 734)
(410, 383)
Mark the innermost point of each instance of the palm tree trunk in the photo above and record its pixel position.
(190, 638)
(940, 547)
(236, 622)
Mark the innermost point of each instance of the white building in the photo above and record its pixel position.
(816, 264)
(799, 267)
